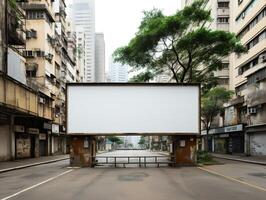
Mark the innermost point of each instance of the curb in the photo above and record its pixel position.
(241, 160)
(31, 165)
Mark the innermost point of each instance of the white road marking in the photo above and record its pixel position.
(36, 185)
(233, 179)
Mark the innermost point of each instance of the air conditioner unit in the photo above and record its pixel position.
(252, 110)
(41, 100)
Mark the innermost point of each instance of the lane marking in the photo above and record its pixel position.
(36, 185)
(233, 179)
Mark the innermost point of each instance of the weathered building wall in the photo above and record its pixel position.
(5, 151)
(2, 36)
(185, 150)
(82, 149)
(258, 144)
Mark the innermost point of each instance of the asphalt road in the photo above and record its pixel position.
(56, 181)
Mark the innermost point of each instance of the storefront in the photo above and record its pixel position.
(226, 140)
(26, 142)
(58, 139)
(256, 140)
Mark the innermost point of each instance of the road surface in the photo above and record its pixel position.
(229, 180)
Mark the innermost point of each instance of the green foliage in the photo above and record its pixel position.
(142, 77)
(203, 157)
(179, 44)
(12, 3)
(141, 141)
(115, 140)
(212, 104)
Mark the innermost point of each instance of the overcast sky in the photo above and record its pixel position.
(119, 19)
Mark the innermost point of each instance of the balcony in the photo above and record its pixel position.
(39, 6)
(223, 11)
(16, 25)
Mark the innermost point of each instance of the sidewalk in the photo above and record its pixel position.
(260, 160)
(24, 163)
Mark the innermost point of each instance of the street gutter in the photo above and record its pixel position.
(31, 165)
(241, 160)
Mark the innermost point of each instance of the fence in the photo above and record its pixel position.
(134, 160)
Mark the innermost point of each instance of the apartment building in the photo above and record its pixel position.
(23, 114)
(99, 57)
(118, 72)
(83, 13)
(38, 61)
(243, 128)
(220, 13)
(249, 74)
(80, 52)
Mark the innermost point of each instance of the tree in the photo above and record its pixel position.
(142, 141)
(179, 44)
(115, 140)
(211, 106)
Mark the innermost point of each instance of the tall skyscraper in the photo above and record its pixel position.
(84, 18)
(118, 72)
(99, 57)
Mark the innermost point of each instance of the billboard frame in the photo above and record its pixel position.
(133, 84)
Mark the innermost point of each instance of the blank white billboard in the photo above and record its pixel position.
(103, 109)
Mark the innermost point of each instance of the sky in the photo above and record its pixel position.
(119, 19)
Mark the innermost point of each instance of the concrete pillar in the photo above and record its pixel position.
(246, 143)
(82, 151)
(12, 138)
(212, 150)
(185, 150)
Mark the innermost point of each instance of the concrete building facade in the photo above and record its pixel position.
(36, 63)
(243, 129)
(118, 72)
(99, 57)
(83, 13)
(249, 74)
(220, 13)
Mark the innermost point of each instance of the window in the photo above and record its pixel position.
(256, 40)
(31, 73)
(223, 19)
(257, 76)
(223, 4)
(247, 9)
(35, 15)
(251, 64)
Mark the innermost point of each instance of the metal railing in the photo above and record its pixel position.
(140, 161)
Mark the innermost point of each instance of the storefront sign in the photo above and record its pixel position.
(86, 143)
(182, 143)
(224, 135)
(226, 129)
(238, 127)
(42, 136)
(55, 128)
(33, 131)
(47, 126)
(19, 129)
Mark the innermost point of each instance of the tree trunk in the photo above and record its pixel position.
(207, 140)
